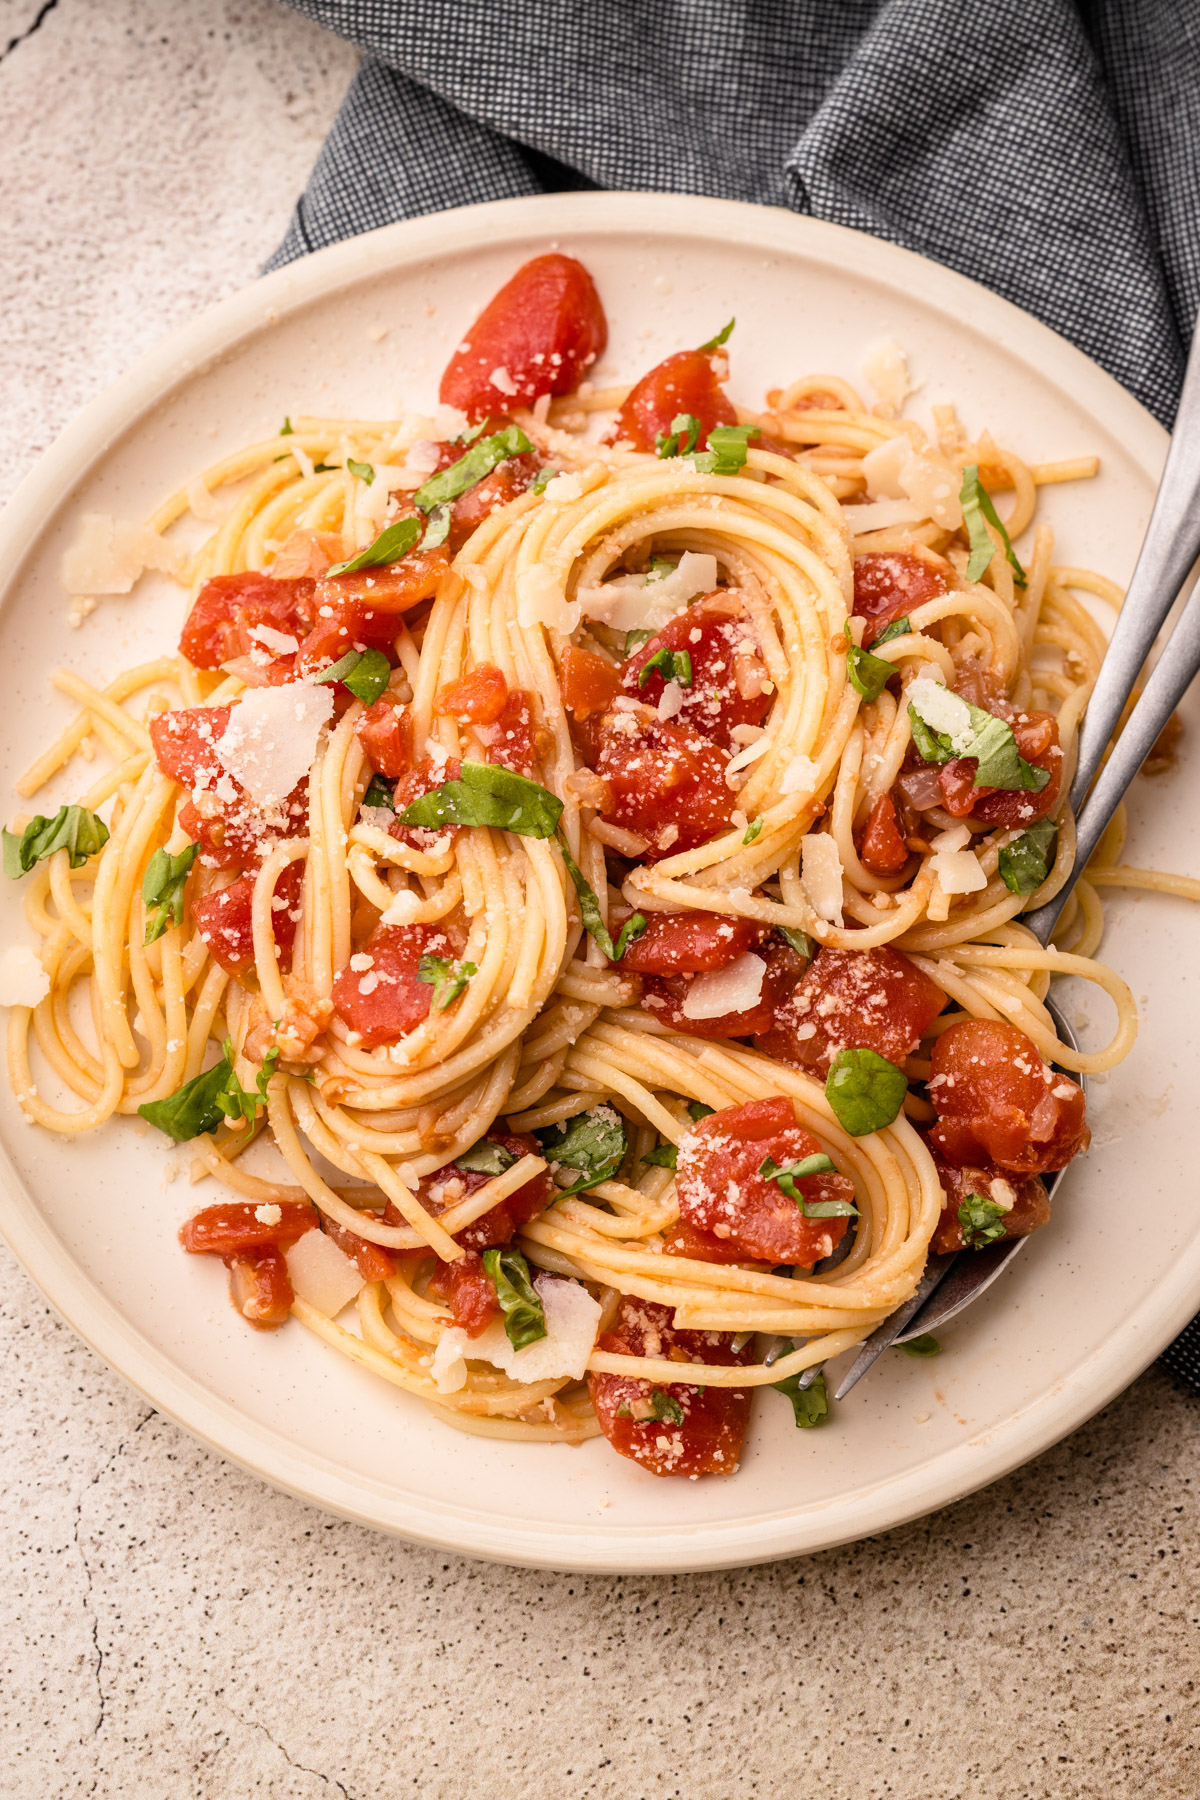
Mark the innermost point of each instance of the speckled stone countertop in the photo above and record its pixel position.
(170, 1628)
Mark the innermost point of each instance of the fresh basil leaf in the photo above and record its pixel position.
(285, 430)
(543, 478)
(925, 1345)
(660, 568)
(233, 1101)
(447, 979)
(524, 1315)
(395, 541)
(897, 628)
(486, 794)
(635, 639)
(663, 1156)
(977, 506)
(1026, 862)
(722, 337)
(485, 454)
(162, 889)
(326, 469)
(665, 1408)
(470, 434)
(697, 1110)
(365, 672)
(485, 1158)
(982, 1222)
(193, 1108)
(73, 829)
(868, 674)
(991, 744)
(865, 1090)
(726, 452)
(438, 528)
(380, 793)
(752, 831)
(932, 746)
(799, 941)
(810, 1404)
(682, 438)
(672, 665)
(786, 1179)
(364, 471)
(589, 910)
(593, 1144)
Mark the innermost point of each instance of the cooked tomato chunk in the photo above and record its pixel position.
(666, 783)
(235, 1228)
(260, 1287)
(538, 335)
(468, 1291)
(997, 1101)
(371, 1260)
(233, 833)
(388, 588)
(225, 920)
(729, 684)
(221, 624)
(889, 585)
(1024, 1196)
(1037, 740)
(882, 849)
(637, 1417)
(687, 382)
(511, 740)
(859, 999)
(448, 1185)
(672, 999)
(506, 482)
(410, 785)
(386, 734)
(386, 998)
(685, 943)
(476, 698)
(589, 683)
(185, 741)
(722, 1190)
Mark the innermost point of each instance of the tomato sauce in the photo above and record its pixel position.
(882, 848)
(260, 1287)
(371, 1260)
(221, 624)
(234, 1228)
(664, 997)
(998, 1102)
(1036, 734)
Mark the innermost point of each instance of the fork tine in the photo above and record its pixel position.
(885, 1335)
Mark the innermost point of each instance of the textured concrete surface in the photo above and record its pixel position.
(169, 1628)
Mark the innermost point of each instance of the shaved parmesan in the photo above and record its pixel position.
(405, 908)
(747, 754)
(449, 422)
(800, 777)
(635, 603)
(108, 555)
(321, 1273)
(201, 504)
(281, 642)
(564, 487)
(23, 981)
(271, 739)
(304, 461)
(541, 601)
(955, 837)
(958, 871)
(881, 468)
(907, 478)
(731, 990)
(572, 1318)
(885, 365)
(877, 515)
(821, 876)
(942, 711)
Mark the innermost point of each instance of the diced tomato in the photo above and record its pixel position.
(468, 1291)
(231, 832)
(686, 943)
(997, 1101)
(410, 785)
(858, 999)
(450, 1184)
(683, 1239)
(371, 1260)
(541, 333)
(225, 920)
(219, 626)
(687, 382)
(260, 1287)
(386, 734)
(882, 849)
(388, 587)
(476, 698)
(729, 684)
(889, 585)
(387, 999)
(508, 481)
(589, 683)
(511, 740)
(184, 741)
(1037, 741)
(235, 1229)
(664, 996)
(1029, 1203)
(666, 783)
(307, 553)
(722, 1191)
(709, 1441)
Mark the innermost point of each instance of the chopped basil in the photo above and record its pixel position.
(524, 1315)
(752, 831)
(991, 744)
(486, 794)
(73, 829)
(395, 541)
(726, 453)
(364, 471)
(543, 478)
(660, 568)
(925, 1345)
(982, 1222)
(977, 506)
(799, 941)
(438, 528)
(1025, 863)
(722, 337)
(233, 1100)
(200, 1105)
(365, 672)
(865, 1090)
(592, 1145)
(447, 979)
(697, 1110)
(663, 1409)
(635, 639)
(162, 889)
(470, 434)
(485, 1158)
(672, 665)
(897, 628)
(380, 793)
(786, 1178)
(869, 675)
(589, 910)
(682, 438)
(663, 1156)
(285, 430)
(483, 456)
(325, 468)
(810, 1404)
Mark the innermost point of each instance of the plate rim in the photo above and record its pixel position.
(574, 1546)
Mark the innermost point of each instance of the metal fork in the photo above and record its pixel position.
(1169, 551)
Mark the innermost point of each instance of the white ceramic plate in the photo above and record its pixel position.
(1097, 1294)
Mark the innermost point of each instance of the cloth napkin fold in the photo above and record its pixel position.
(1050, 149)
